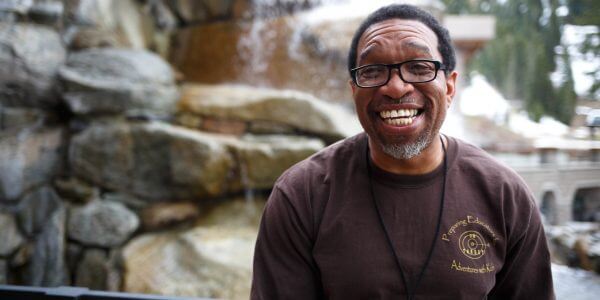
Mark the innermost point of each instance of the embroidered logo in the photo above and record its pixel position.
(473, 238)
(472, 244)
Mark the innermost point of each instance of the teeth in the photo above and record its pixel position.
(398, 113)
(399, 121)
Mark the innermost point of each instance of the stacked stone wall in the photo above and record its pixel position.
(117, 175)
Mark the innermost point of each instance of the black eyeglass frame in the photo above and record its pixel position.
(438, 66)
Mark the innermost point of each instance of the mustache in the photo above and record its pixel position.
(404, 100)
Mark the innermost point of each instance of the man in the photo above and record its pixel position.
(400, 211)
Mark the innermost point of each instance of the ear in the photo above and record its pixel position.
(451, 87)
(352, 86)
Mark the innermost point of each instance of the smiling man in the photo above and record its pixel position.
(401, 211)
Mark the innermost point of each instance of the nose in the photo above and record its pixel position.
(396, 88)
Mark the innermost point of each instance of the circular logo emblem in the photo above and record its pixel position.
(472, 244)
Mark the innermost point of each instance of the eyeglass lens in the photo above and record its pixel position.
(410, 72)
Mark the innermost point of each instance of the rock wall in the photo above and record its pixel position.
(115, 174)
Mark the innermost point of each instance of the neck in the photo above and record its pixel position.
(429, 159)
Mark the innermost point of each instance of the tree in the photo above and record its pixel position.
(523, 57)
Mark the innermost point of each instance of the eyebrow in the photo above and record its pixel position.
(416, 46)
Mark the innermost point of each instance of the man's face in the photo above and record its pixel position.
(395, 41)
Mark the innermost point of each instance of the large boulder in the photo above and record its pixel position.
(29, 60)
(102, 224)
(119, 81)
(212, 260)
(29, 158)
(152, 160)
(263, 158)
(298, 110)
(9, 235)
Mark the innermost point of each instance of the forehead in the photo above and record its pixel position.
(399, 35)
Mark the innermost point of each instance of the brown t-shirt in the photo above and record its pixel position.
(321, 238)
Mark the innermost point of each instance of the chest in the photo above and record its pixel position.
(356, 260)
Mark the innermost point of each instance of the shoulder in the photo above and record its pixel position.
(321, 167)
(497, 185)
(480, 165)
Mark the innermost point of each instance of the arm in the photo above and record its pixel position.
(283, 264)
(526, 273)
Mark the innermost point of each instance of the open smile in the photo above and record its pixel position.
(400, 117)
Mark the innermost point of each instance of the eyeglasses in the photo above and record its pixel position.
(410, 71)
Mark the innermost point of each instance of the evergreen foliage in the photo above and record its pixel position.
(526, 60)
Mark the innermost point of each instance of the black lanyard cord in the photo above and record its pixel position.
(410, 294)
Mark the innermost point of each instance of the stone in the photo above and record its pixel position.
(75, 189)
(575, 243)
(189, 120)
(3, 271)
(236, 212)
(74, 254)
(92, 271)
(123, 21)
(114, 278)
(85, 38)
(232, 127)
(164, 18)
(275, 52)
(298, 110)
(9, 235)
(36, 208)
(134, 203)
(161, 215)
(154, 161)
(23, 255)
(29, 62)
(29, 158)
(49, 12)
(17, 118)
(263, 158)
(266, 127)
(47, 266)
(119, 81)
(209, 262)
(102, 224)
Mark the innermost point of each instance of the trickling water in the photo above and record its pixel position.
(246, 184)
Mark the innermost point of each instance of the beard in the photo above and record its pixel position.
(410, 150)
